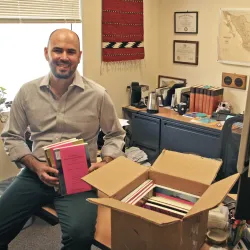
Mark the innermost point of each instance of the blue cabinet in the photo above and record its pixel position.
(153, 133)
(146, 134)
(190, 138)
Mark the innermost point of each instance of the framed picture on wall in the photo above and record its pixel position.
(165, 81)
(186, 22)
(185, 52)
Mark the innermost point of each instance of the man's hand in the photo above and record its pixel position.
(96, 165)
(105, 160)
(42, 170)
(44, 173)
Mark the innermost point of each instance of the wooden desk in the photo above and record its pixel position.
(168, 113)
(168, 130)
(171, 114)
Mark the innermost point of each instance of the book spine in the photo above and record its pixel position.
(192, 99)
(175, 194)
(87, 154)
(216, 96)
(163, 211)
(204, 100)
(47, 158)
(166, 205)
(197, 99)
(62, 186)
(209, 91)
(175, 199)
(200, 105)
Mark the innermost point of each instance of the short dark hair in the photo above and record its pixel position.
(59, 29)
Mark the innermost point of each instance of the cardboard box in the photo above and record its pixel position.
(136, 228)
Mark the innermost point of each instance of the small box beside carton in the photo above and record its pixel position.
(137, 228)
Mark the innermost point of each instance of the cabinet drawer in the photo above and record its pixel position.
(183, 137)
(146, 130)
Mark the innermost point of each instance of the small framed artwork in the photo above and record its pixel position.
(186, 22)
(185, 52)
(166, 81)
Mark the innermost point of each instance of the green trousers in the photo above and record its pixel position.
(27, 193)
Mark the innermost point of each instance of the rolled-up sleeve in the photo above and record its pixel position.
(111, 127)
(14, 129)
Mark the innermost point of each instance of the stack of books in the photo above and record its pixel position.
(205, 99)
(140, 194)
(71, 159)
(161, 199)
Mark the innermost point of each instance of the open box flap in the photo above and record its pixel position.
(145, 214)
(187, 166)
(214, 195)
(114, 176)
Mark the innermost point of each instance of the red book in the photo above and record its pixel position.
(74, 166)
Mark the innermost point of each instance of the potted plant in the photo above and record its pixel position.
(2, 95)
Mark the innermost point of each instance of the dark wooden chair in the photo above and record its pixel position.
(48, 214)
(102, 237)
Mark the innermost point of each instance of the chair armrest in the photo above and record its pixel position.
(48, 214)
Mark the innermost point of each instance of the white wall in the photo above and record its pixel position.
(116, 82)
(209, 71)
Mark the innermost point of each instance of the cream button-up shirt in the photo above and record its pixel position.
(80, 113)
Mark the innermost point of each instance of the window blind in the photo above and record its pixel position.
(40, 11)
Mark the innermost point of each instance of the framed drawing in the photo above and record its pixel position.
(165, 81)
(186, 22)
(185, 52)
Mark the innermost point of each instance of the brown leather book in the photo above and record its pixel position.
(197, 99)
(215, 98)
(192, 98)
(209, 92)
(201, 96)
(204, 100)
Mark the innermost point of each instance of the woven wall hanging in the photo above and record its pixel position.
(122, 33)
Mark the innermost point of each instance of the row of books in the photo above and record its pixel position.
(71, 159)
(161, 199)
(205, 99)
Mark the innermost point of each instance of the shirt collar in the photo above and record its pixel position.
(78, 81)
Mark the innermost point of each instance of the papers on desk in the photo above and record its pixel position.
(123, 122)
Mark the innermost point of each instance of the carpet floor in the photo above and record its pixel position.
(39, 236)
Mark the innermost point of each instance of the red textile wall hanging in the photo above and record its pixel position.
(122, 30)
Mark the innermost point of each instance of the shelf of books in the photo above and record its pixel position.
(161, 199)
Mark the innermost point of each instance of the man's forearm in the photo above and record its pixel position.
(30, 162)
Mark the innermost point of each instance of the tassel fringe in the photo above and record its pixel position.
(120, 66)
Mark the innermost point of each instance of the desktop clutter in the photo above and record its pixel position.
(224, 231)
(202, 103)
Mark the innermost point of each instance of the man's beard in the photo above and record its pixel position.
(61, 75)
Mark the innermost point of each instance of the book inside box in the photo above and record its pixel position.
(161, 199)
